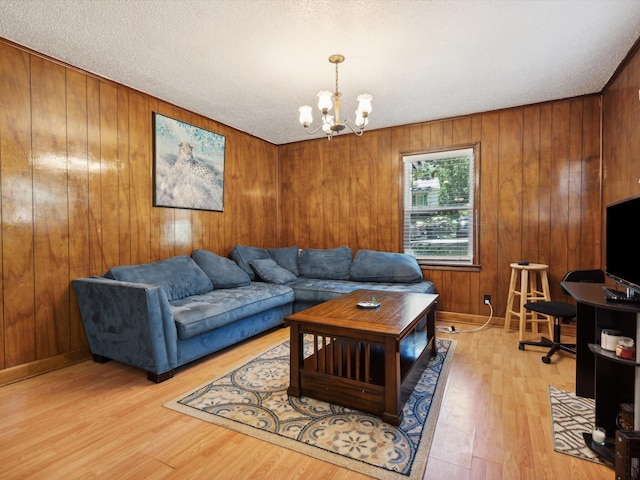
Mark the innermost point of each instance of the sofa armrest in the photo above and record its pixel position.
(128, 322)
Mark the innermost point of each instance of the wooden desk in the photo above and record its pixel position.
(600, 374)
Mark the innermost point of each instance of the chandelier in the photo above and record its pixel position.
(331, 124)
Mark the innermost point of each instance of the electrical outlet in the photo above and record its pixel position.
(487, 299)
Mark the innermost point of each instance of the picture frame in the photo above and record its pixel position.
(188, 165)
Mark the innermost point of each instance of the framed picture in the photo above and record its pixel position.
(188, 166)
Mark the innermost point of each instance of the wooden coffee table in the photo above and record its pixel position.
(367, 359)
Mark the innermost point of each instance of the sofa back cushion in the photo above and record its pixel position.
(286, 257)
(223, 272)
(179, 276)
(243, 255)
(385, 267)
(269, 271)
(330, 264)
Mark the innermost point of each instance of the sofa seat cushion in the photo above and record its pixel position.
(179, 276)
(320, 290)
(330, 263)
(202, 313)
(374, 266)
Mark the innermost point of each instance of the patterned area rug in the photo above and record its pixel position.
(571, 416)
(252, 399)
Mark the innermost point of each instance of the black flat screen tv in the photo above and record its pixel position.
(622, 246)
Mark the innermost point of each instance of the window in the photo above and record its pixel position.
(439, 206)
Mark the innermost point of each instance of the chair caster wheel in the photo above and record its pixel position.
(546, 359)
(521, 346)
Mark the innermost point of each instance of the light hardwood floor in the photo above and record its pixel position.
(107, 421)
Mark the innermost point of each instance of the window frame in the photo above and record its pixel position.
(474, 206)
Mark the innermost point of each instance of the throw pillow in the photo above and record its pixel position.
(223, 272)
(243, 256)
(179, 276)
(286, 257)
(329, 264)
(269, 271)
(373, 266)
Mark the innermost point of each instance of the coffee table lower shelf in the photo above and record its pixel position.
(352, 373)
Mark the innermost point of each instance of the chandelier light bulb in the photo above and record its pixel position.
(333, 124)
(364, 103)
(324, 101)
(305, 115)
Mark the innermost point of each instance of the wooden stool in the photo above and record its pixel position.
(534, 286)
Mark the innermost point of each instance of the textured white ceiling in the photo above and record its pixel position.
(251, 64)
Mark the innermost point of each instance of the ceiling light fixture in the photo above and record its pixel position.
(331, 124)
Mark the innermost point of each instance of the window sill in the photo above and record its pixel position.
(449, 266)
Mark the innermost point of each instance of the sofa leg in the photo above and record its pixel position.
(99, 358)
(160, 377)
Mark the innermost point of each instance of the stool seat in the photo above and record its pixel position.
(534, 286)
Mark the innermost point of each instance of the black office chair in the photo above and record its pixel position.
(561, 312)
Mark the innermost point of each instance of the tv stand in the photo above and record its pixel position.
(600, 374)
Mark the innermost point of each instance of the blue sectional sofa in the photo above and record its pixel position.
(161, 315)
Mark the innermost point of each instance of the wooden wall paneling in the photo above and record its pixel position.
(365, 195)
(78, 194)
(416, 140)
(285, 195)
(264, 195)
(330, 186)
(354, 172)
(390, 195)
(531, 182)
(461, 131)
(50, 206)
(140, 186)
(509, 195)
(342, 191)
(109, 173)
(476, 288)
(632, 126)
(154, 214)
(559, 191)
(575, 166)
(305, 197)
(94, 206)
(591, 194)
(488, 214)
(616, 118)
(437, 134)
(544, 197)
(314, 220)
(18, 282)
(124, 178)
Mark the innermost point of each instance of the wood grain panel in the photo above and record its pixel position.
(94, 205)
(18, 275)
(488, 214)
(51, 211)
(78, 195)
(510, 192)
(124, 177)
